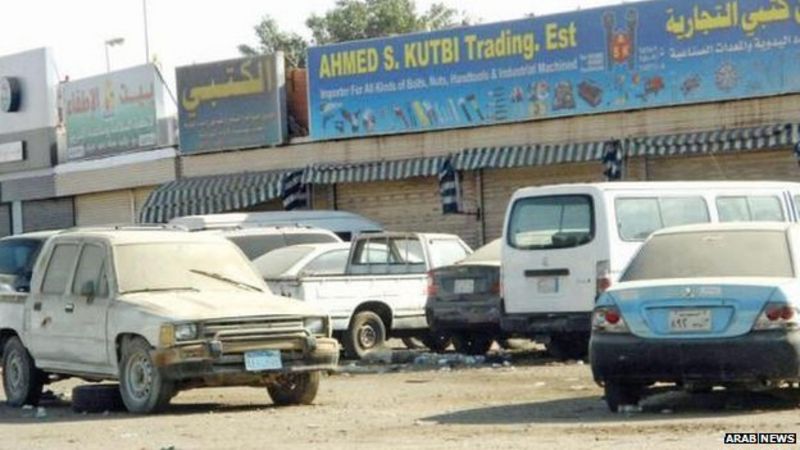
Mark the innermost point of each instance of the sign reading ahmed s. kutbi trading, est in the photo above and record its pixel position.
(632, 56)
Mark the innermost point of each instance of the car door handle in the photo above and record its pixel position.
(69, 307)
(37, 306)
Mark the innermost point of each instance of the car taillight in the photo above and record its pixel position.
(607, 319)
(777, 316)
(603, 276)
(432, 290)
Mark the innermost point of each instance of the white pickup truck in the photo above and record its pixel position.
(160, 311)
(383, 290)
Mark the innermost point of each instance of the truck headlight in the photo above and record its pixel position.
(315, 325)
(185, 331)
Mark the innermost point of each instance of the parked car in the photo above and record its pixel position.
(160, 311)
(464, 301)
(702, 306)
(257, 241)
(345, 224)
(17, 257)
(563, 245)
(312, 260)
(383, 292)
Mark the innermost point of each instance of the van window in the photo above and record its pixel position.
(638, 218)
(560, 221)
(750, 209)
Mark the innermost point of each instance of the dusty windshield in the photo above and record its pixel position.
(203, 266)
(712, 254)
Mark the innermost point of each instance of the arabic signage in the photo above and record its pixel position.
(624, 57)
(232, 104)
(112, 113)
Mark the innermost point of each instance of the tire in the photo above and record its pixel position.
(472, 344)
(568, 346)
(143, 388)
(437, 341)
(295, 389)
(22, 381)
(618, 394)
(366, 333)
(97, 398)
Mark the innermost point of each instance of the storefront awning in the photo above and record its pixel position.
(210, 195)
(720, 141)
(374, 171)
(527, 155)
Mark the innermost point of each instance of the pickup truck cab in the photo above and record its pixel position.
(383, 291)
(160, 311)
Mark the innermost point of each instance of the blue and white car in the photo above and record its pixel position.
(702, 306)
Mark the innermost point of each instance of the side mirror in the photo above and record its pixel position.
(88, 289)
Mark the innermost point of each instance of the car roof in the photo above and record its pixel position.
(658, 185)
(40, 235)
(266, 230)
(489, 253)
(121, 237)
(730, 226)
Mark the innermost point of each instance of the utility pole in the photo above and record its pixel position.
(146, 36)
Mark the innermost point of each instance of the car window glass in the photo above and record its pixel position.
(59, 268)
(638, 218)
(277, 262)
(750, 209)
(562, 221)
(372, 251)
(330, 263)
(90, 266)
(254, 246)
(16, 255)
(406, 251)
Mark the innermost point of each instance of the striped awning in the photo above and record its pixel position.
(527, 155)
(720, 141)
(374, 171)
(210, 195)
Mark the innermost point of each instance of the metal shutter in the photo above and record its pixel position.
(51, 214)
(5, 219)
(114, 207)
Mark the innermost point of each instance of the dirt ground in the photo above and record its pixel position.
(534, 402)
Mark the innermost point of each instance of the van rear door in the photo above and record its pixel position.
(549, 254)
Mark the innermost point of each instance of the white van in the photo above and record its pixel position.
(564, 244)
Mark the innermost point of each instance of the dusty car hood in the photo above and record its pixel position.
(190, 306)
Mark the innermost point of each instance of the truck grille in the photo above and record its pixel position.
(243, 330)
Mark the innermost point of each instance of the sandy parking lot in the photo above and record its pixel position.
(534, 403)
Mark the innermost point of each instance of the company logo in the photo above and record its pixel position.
(10, 94)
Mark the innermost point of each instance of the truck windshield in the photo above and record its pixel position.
(168, 265)
(553, 222)
(745, 253)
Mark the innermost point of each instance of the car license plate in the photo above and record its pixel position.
(547, 285)
(464, 286)
(689, 320)
(258, 361)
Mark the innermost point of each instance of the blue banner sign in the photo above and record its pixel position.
(232, 104)
(625, 57)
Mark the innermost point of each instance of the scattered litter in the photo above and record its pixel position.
(128, 435)
(41, 413)
(171, 447)
(581, 362)
(421, 423)
(506, 364)
(630, 409)
(27, 406)
(539, 384)
(666, 411)
(579, 387)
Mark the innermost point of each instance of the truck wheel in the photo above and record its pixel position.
(22, 381)
(618, 394)
(366, 333)
(437, 341)
(294, 388)
(472, 344)
(143, 388)
(97, 398)
(568, 346)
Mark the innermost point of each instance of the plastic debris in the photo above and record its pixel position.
(41, 413)
(27, 406)
(630, 409)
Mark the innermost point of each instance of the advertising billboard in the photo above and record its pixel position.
(113, 113)
(232, 104)
(630, 56)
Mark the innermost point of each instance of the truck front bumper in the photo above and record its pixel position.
(218, 364)
(756, 357)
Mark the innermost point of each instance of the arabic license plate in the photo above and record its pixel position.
(465, 286)
(689, 320)
(547, 285)
(261, 360)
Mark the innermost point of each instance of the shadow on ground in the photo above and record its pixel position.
(592, 409)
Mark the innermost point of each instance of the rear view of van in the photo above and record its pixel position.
(565, 244)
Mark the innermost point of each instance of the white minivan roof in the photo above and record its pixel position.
(336, 221)
(652, 186)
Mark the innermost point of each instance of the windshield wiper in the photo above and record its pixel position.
(165, 289)
(219, 277)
